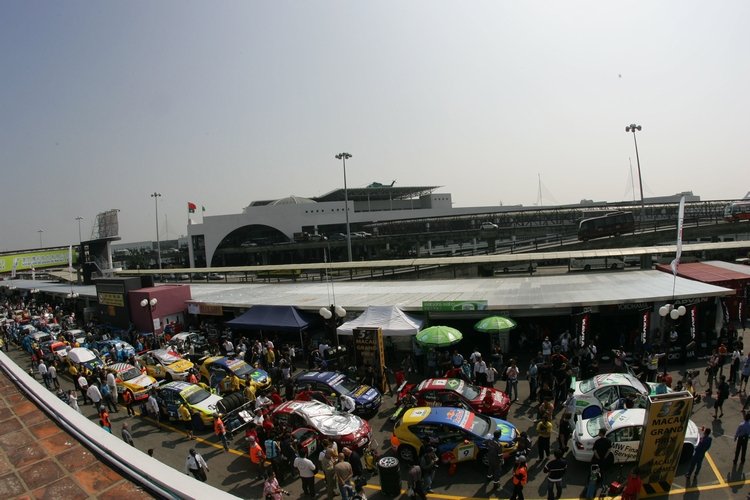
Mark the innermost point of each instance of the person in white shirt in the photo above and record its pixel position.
(52, 374)
(480, 371)
(546, 349)
(112, 384)
(152, 406)
(347, 404)
(196, 465)
(261, 401)
(42, 368)
(95, 395)
(83, 385)
(229, 347)
(306, 469)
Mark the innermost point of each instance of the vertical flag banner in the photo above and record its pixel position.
(680, 220)
(192, 207)
(70, 258)
(13, 269)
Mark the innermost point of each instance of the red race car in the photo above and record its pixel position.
(324, 421)
(458, 393)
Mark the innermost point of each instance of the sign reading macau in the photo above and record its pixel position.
(667, 418)
(369, 349)
(37, 260)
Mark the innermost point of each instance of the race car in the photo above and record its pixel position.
(132, 385)
(602, 392)
(624, 429)
(170, 395)
(217, 369)
(366, 398)
(455, 392)
(167, 364)
(105, 346)
(82, 360)
(326, 422)
(54, 350)
(457, 435)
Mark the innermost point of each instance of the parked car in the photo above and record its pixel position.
(132, 385)
(82, 360)
(216, 277)
(221, 367)
(184, 340)
(105, 346)
(326, 422)
(602, 392)
(170, 395)
(454, 392)
(597, 263)
(624, 429)
(488, 226)
(367, 399)
(458, 435)
(166, 363)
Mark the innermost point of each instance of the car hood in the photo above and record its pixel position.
(338, 424)
(208, 405)
(364, 394)
(142, 380)
(182, 365)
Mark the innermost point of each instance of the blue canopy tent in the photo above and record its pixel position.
(276, 318)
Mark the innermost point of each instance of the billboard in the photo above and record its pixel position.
(24, 261)
(453, 305)
(369, 350)
(667, 418)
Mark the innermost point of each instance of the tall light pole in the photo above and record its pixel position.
(156, 197)
(80, 249)
(343, 157)
(633, 128)
(40, 231)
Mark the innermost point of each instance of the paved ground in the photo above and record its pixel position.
(230, 471)
(40, 460)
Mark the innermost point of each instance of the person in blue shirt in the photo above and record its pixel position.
(699, 453)
(741, 436)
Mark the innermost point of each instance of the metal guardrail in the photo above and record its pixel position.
(158, 478)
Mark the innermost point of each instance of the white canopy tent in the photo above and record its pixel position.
(392, 320)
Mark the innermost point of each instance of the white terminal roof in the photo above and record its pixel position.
(521, 293)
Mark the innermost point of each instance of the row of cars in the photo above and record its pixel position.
(452, 416)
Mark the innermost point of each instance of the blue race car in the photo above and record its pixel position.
(123, 349)
(366, 398)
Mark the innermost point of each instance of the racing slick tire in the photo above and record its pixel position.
(407, 453)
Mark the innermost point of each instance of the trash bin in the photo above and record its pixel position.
(390, 476)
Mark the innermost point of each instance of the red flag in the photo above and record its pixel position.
(191, 207)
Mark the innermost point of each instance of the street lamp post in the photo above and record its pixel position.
(633, 128)
(80, 249)
(343, 157)
(151, 305)
(156, 197)
(332, 315)
(40, 231)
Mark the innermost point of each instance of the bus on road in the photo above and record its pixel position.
(737, 211)
(611, 224)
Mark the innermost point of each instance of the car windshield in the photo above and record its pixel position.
(196, 396)
(344, 385)
(479, 425)
(130, 373)
(468, 391)
(594, 424)
(587, 385)
(240, 368)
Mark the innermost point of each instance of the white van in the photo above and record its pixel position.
(597, 263)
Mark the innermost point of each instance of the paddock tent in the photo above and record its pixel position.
(275, 318)
(392, 320)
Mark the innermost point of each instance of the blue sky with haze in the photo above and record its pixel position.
(222, 103)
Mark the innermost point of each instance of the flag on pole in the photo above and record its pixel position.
(70, 258)
(191, 207)
(680, 220)
(14, 268)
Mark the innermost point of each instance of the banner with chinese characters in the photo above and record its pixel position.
(369, 351)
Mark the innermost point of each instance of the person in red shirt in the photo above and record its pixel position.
(276, 397)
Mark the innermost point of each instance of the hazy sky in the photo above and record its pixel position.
(222, 103)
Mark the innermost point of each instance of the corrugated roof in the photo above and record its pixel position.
(706, 272)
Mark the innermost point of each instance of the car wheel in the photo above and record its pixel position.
(407, 453)
(687, 453)
(198, 422)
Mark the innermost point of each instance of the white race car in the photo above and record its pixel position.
(624, 429)
(602, 393)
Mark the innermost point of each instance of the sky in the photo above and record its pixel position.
(222, 103)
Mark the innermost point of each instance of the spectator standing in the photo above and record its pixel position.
(271, 488)
(152, 406)
(186, 417)
(699, 453)
(415, 483)
(73, 401)
(344, 474)
(326, 464)
(195, 465)
(273, 454)
(546, 349)
(257, 459)
(520, 478)
(734, 368)
(112, 383)
(83, 386)
(511, 387)
(94, 395)
(221, 431)
(355, 460)
(544, 431)
(555, 472)
(532, 374)
(44, 373)
(429, 464)
(741, 436)
(108, 399)
(52, 374)
(104, 420)
(480, 371)
(126, 435)
(306, 470)
(633, 485)
(565, 431)
(745, 372)
(722, 393)
(602, 450)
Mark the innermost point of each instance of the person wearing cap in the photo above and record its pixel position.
(520, 478)
(220, 430)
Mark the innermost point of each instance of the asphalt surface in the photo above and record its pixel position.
(230, 471)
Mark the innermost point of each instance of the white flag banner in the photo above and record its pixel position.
(13, 269)
(680, 220)
(70, 258)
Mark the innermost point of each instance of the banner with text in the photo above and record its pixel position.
(369, 351)
(667, 418)
(454, 305)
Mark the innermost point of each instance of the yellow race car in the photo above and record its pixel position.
(221, 371)
(166, 364)
(132, 385)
